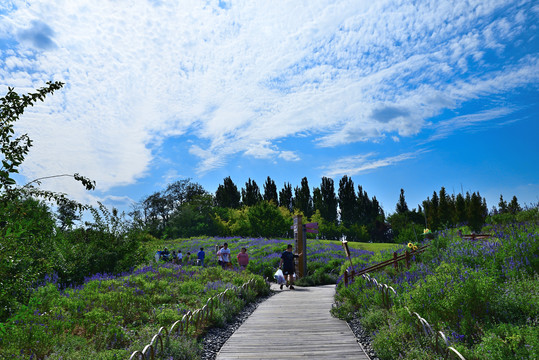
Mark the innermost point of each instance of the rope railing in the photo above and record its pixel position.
(448, 352)
(196, 318)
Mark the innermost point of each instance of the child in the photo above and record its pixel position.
(243, 258)
(201, 255)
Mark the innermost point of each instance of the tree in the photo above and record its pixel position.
(285, 197)
(328, 209)
(68, 213)
(266, 220)
(181, 192)
(513, 207)
(317, 200)
(14, 150)
(156, 212)
(444, 209)
(402, 207)
(432, 211)
(502, 205)
(270, 191)
(366, 212)
(303, 200)
(476, 213)
(192, 218)
(347, 201)
(460, 210)
(227, 195)
(251, 193)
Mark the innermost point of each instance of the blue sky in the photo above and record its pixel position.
(395, 94)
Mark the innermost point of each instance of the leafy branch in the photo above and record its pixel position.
(14, 149)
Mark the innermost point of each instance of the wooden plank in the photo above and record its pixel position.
(294, 324)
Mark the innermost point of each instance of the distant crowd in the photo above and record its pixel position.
(222, 253)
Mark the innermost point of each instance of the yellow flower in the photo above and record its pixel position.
(426, 231)
(415, 248)
(410, 245)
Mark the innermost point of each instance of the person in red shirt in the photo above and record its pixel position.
(243, 258)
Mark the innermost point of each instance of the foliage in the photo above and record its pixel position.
(250, 195)
(111, 316)
(285, 197)
(270, 191)
(303, 200)
(14, 150)
(484, 295)
(227, 194)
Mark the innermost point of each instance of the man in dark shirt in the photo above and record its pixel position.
(288, 266)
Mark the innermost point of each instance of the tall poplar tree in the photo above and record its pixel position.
(227, 194)
(303, 200)
(270, 191)
(347, 201)
(444, 209)
(460, 210)
(402, 207)
(317, 200)
(251, 193)
(502, 205)
(328, 209)
(513, 206)
(285, 197)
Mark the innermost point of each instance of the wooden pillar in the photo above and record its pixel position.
(301, 246)
(395, 263)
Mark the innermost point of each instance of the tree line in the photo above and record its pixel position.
(185, 209)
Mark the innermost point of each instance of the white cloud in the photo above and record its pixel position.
(241, 78)
(447, 127)
(357, 164)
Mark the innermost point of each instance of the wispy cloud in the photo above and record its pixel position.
(357, 164)
(446, 128)
(238, 77)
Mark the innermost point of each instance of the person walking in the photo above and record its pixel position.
(201, 255)
(225, 255)
(180, 257)
(243, 258)
(288, 266)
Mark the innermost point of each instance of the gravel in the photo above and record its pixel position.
(363, 338)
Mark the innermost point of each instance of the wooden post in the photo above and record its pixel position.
(301, 246)
(395, 263)
(346, 277)
(407, 257)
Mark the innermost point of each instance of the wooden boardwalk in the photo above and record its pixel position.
(294, 324)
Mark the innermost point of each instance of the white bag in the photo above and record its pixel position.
(279, 277)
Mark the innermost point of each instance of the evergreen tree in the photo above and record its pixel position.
(303, 200)
(514, 207)
(347, 201)
(432, 215)
(329, 200)
(285, 197)
(251, 193)
(227, 194)
(364, 209)
(402, 207)
(317, 200)
(502, 205)
(460, 210)
(444, 209)
(270, 191)
(476, 215)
